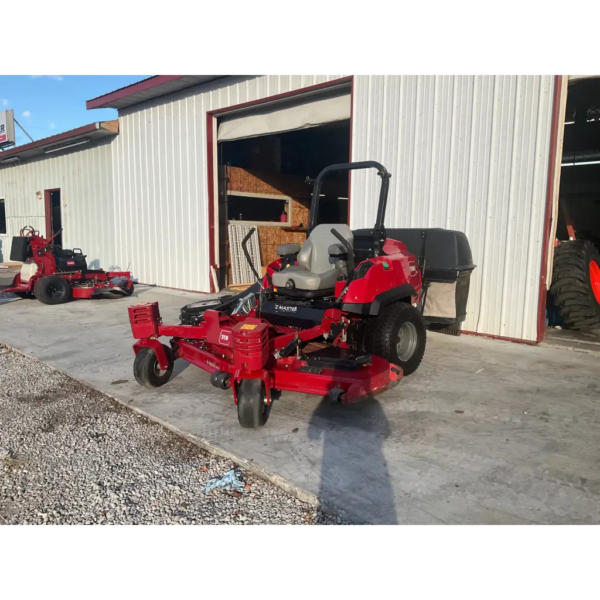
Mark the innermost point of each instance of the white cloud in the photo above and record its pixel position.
(52, 126)
(4, 102)
(57, 77)
(26, 114)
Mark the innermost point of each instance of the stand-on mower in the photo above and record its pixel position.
(54, 275)
(342, 316)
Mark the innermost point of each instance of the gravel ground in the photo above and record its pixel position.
(70, 455)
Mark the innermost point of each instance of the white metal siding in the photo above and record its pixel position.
(160, 178)
(465, 153)
(85, 181)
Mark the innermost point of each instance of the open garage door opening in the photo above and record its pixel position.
(574, 298)
(268, 158)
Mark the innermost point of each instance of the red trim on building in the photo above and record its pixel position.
(501, 337)
(134, 88)
(299, 92)
(541, 324)
(210, 166)
(48, 211)
(166, 287)
(350, 149)
(60, 137)
(210, 148)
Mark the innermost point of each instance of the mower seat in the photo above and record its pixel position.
(317, 271)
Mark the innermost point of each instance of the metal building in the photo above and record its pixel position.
(476, 154)
(76, 168)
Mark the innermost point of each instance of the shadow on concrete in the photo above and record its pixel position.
(179, 367)
(353, 468)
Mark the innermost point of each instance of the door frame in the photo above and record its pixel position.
(212, 158)
(48, 211)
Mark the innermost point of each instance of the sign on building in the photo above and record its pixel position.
(7, 128)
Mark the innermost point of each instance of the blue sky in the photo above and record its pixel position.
(49, 104)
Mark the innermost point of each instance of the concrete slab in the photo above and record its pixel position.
(484, 432)
(586, 341)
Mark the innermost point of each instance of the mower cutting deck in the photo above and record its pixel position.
(55, 275)
(341, 316)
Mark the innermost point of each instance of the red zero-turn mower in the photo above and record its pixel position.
(54, 275)
(342, 316)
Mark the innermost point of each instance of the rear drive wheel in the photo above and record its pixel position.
(52, 289)
(398, 335)
(147, 371)
(252, 408)
(576, 284)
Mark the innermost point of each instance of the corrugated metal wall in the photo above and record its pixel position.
(160, 178)
(465, 153)
(469, 153)
(85, 181)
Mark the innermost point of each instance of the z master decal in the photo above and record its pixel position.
(284, 308)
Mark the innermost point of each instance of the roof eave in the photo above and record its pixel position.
(106, 100)
(98, 129)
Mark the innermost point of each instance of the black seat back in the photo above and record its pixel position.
(20, 249)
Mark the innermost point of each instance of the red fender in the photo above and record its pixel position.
(161, 355)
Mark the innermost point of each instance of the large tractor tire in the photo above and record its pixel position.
(576, 284)
(398, 334)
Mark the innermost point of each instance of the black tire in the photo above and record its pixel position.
(146, 370)
(123, 286)
(23, 295)
(572, 286)
(252, 410)
(336, 395)
(52, 289)
(383, 336)
(220, 380)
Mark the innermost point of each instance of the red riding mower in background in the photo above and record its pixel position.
(341, 316)
(54, 275)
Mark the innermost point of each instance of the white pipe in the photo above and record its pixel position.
(213, 272)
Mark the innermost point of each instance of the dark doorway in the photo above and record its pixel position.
(53, 215)
(265, 181)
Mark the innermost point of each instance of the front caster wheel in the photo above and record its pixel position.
(147, 371)
(252, 409)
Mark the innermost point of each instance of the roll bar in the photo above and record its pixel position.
(367, 164)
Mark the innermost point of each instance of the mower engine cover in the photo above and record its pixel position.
(68, 260)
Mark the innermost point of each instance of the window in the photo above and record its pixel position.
(2, 217)
(266, 209)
